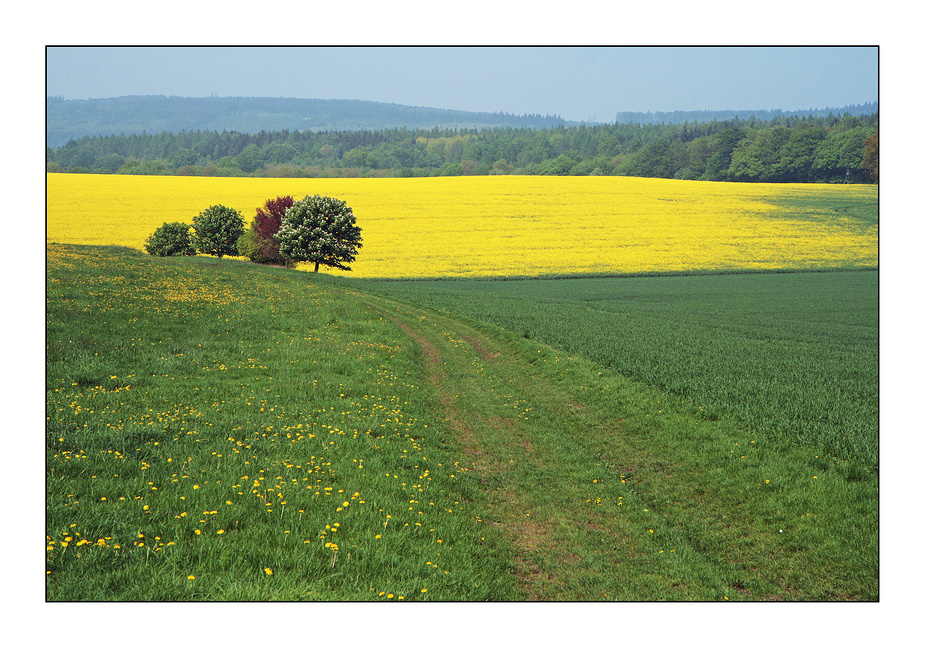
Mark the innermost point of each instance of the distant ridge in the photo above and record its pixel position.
(68, 119)
(691, 116)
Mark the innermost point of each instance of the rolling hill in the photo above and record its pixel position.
(68, 119)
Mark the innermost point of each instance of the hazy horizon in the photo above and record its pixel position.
(575, 83)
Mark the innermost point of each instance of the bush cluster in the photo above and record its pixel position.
(317, 229)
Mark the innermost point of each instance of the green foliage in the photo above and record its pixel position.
(249, 246)
(320, 230)
(808, 147)
(134, 166)
(217, 231)
(871, 161)
(840, 152)
(258, 249)
(171, 239)
(249, 159)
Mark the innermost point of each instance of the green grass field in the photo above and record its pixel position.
(794, 354)
(222, 431)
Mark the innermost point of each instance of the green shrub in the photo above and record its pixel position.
(259, 242)
(171, 239)
(217, 231)
(260, 250)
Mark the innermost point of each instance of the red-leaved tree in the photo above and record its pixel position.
(258, 243)
(268, 219)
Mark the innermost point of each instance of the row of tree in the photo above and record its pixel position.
(317, 229)
(784, 149)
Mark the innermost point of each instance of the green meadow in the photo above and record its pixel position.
(221, 431)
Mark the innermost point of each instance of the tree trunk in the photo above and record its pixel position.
(317, 263)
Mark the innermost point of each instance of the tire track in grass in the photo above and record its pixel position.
(434, 365)
(464, 369)
(524, 536)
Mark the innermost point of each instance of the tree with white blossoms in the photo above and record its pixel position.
(320, 230)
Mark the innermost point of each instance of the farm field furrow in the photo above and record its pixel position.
(503, 226)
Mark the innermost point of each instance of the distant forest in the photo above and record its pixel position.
(69, 119)
(768, 146)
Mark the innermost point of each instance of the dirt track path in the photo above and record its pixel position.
(507, 419)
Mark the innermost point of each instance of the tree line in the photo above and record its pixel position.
(783, 149)
(68, 119)
(317, 229)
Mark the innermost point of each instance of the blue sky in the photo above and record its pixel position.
(578, 83)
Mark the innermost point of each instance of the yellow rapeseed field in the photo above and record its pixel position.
(487, 226)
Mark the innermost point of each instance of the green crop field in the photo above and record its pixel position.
(221, 431)
(791, 354)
